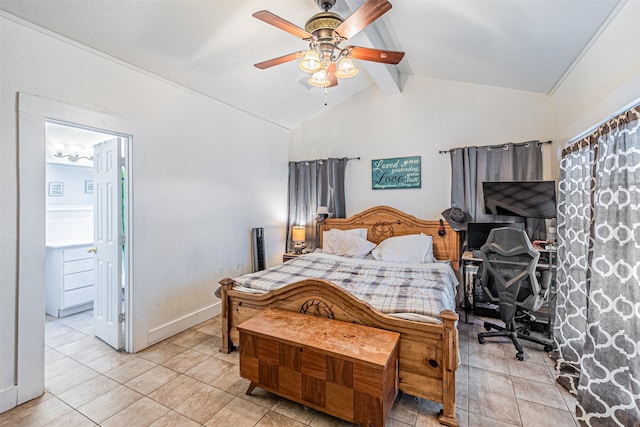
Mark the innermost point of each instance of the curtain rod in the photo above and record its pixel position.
(593, 128)
(592, 136)
(322, 160)
(504, 146)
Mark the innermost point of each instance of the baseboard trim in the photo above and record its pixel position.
(8, 398)
(176, 326)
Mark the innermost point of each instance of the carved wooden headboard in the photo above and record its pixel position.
(382, 222)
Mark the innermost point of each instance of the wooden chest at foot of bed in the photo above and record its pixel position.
(346, 370)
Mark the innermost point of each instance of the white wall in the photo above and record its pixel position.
(429, 116)
(73, 180)
(206, 174)
(604, 81)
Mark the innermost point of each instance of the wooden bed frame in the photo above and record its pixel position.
(428, 355)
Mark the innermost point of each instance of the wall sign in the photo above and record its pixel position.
(401, 172)
(88, 186)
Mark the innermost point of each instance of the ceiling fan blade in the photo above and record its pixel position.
(331, 75)
(280, 60)
(276, 21)
(375, 55)
(363, 16)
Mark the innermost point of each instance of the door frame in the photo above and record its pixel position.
(33, 113)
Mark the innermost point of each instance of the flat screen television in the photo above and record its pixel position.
(528, 199)
(478, 232)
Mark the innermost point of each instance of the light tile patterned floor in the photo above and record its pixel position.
(185, 381)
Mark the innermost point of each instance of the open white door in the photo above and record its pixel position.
(108, 240)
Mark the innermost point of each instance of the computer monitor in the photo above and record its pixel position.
(528, 199)
(478, 232)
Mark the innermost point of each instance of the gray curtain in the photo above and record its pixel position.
(597, 326)
(314, 183)
(471, 166)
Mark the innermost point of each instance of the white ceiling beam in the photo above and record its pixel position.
(386, 77)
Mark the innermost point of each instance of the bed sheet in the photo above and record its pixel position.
(410, 291)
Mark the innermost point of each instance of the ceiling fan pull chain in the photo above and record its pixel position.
(325, 96)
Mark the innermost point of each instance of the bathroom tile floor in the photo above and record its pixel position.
(185, 381)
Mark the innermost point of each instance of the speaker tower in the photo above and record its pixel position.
(257, 243)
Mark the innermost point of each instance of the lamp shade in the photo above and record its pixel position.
(322, 210)
(319, 79)
(311, 62)
(298, 234)
(346, 69)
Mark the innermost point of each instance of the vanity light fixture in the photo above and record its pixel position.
(73, 154)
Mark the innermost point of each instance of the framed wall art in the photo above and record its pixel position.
(56, 189)
(399, 172)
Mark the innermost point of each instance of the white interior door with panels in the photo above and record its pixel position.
(108, 242)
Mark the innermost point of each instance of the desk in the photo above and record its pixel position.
(469, 268)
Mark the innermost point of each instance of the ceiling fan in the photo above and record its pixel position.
(325, 60)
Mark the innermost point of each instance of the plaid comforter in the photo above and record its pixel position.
(404, 290)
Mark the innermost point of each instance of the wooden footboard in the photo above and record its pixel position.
(428, 355)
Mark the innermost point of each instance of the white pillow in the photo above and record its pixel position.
(342, 243)
(407, 249)
(429, 257)
(360, 232)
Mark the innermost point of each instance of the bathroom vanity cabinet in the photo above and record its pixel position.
(70, 279)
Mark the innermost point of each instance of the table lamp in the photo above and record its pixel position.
(298, 237)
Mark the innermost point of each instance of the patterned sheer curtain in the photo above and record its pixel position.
(597, 326)
(575, 216)
(314, 183)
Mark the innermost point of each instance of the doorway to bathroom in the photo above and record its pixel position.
(34, 113)
(86, 223)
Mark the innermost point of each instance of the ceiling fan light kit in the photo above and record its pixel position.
(325, 60)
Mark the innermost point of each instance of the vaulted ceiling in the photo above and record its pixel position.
(210, 46)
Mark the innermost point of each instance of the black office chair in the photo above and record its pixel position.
(509, 279)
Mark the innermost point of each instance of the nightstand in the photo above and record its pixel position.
(289, 255)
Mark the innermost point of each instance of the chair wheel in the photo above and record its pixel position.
(487, 327)
(548, 348)
(481, 340)
(520, 356)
